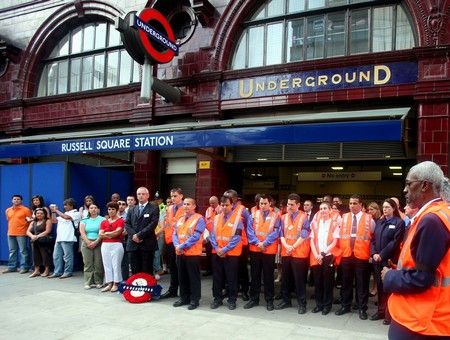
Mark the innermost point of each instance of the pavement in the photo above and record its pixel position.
(41, 308)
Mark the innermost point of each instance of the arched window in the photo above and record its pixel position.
(89, 57)
(283, 31)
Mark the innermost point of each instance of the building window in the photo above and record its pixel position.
(89, 57)
(284, 31)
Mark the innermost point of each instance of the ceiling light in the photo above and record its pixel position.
(392, 167)
(337, 167)
(322, 158)
(397, 174)
(261, 159)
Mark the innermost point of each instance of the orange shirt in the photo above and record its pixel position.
(17, 223)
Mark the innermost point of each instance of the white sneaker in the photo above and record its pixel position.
(87, 287)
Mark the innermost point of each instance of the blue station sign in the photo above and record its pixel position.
(321, 80)
(376, 130)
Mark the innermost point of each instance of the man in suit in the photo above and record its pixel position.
(140, 225)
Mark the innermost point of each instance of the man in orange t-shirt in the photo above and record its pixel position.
(17, 216)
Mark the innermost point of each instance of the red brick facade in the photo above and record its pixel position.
(198, 72)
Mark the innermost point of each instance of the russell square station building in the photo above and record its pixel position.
(308, 96)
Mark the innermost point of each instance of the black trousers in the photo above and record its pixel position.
(225, 270)
(382, 296)
(189, 276)
(243, 270)
(173, 268)
(353, 268)
(141, 261)
(294, 273)
(262, 263)
(324, 282)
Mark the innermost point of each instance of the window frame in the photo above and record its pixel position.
(69, 57)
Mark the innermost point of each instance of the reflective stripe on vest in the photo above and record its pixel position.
(315, 226)
(171, 221)
(292, 235)
(185, 229)
(260, 222)
(223, 240)
(361, 249)
(432, 316)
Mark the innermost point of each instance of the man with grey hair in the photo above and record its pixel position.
(420, 287)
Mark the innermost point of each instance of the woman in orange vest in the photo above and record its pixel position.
(420, 301)
(225, 238)
(385, 246)
(324, 238)
(188, 243)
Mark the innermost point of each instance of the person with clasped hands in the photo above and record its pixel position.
(385, 246)
(420, 285)
(140, 225)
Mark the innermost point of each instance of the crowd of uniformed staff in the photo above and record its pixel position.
(407, 252)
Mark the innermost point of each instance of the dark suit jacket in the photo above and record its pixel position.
(143, 225)
(386, 239)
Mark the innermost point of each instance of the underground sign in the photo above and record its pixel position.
(150, 37)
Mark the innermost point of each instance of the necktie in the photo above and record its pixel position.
(353, 232)
(141, 209)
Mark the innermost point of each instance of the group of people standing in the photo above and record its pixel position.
(409, 252)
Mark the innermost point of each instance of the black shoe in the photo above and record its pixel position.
(376, 316)
(325, 311)
(362, 315)
(283, 305)
(231, 305)
(270, 306)
(301, 310)
(251, 304)
(245, 297)
(215, 304)
(168, 294)
(386, 322)
(317, 309)
(278, 297)
(192, 305)
(342, 311)
(180, 303)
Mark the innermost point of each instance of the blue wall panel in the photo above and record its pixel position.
(14, 179)
(121, 182)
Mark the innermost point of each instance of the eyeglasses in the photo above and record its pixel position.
(408, 183)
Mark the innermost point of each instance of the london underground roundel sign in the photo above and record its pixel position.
(151, 37)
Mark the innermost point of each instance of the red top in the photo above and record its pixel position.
(107, 226)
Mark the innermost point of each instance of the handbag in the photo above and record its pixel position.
(47, 239)
(76, 230)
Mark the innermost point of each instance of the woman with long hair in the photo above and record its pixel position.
(324, 237)
(385, 247)
(40, 234)
(90, 248)
(112, 249)
(84, 209)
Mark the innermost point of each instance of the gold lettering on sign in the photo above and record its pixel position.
(377, 73)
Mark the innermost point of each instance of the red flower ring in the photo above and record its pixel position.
(140, 287)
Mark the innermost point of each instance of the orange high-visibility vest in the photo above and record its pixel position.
(292, 232)
(225, 230)
(209, 216)
(244, 223)
(428, 312)
(335, 251)
(184, 229)
(171, 220)
(361, 249)
(263, 227)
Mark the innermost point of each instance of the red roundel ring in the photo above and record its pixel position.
(139, 279)
(146, 16)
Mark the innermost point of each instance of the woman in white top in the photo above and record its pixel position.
(324, 237)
